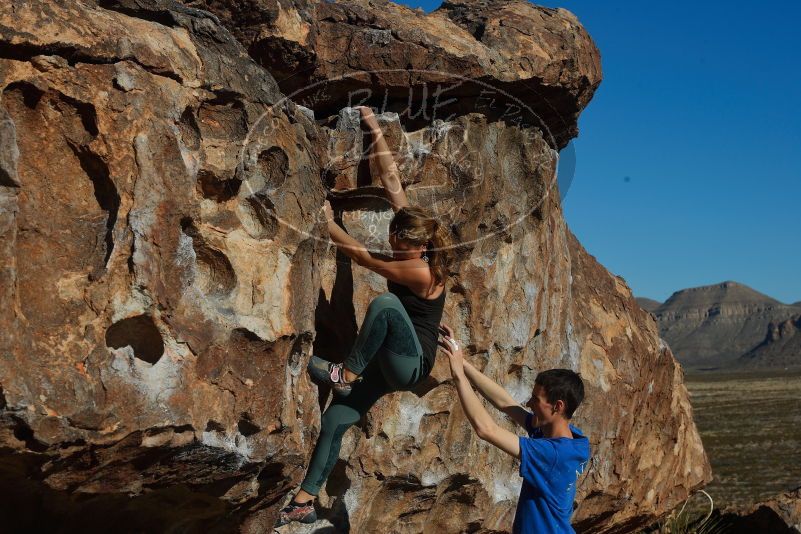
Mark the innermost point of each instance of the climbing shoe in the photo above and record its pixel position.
(331, 374)
(302, 512)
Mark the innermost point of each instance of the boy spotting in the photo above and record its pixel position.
(553, 455)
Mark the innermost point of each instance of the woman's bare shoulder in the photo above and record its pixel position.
(432, 293)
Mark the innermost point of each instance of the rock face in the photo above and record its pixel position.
(713, 326)
(166, 274)
(155, 314)
(384, 54)
(781, 515)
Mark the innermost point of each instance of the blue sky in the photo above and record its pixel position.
(688, 161)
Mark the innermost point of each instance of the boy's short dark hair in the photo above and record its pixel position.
(564, 385)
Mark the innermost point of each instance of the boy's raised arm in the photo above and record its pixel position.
(480, 420)
(491, 390)
(498, 396)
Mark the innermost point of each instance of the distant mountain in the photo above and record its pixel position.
(648, 304)
(712, 326)
(780, 348)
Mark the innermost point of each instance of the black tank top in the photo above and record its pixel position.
(425, 315)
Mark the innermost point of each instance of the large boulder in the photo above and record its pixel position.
(166, 274)
(524, 296)
(156, 316)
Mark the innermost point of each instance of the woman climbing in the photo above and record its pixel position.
(395, 347)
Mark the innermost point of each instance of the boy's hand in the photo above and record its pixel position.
(328, 212)
(453, 350)
(445, 330)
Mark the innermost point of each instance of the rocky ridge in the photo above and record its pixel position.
(722, 325)
(780, 348)
(779, 515)
(166, 274)
(647, 304)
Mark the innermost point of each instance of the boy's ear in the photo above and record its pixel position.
(560, 407)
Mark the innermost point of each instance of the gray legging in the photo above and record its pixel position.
(387, 340)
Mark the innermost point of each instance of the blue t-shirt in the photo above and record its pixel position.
(550, 468)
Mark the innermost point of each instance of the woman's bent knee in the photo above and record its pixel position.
(385, 300)
(330, 421)
(336, 416)
(327, 423)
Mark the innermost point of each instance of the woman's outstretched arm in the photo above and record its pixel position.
(387, 168)
(414, 274)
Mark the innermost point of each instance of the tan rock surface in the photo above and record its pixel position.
(155, 315)
(165, 275)
(381, 52)
(525, 296)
